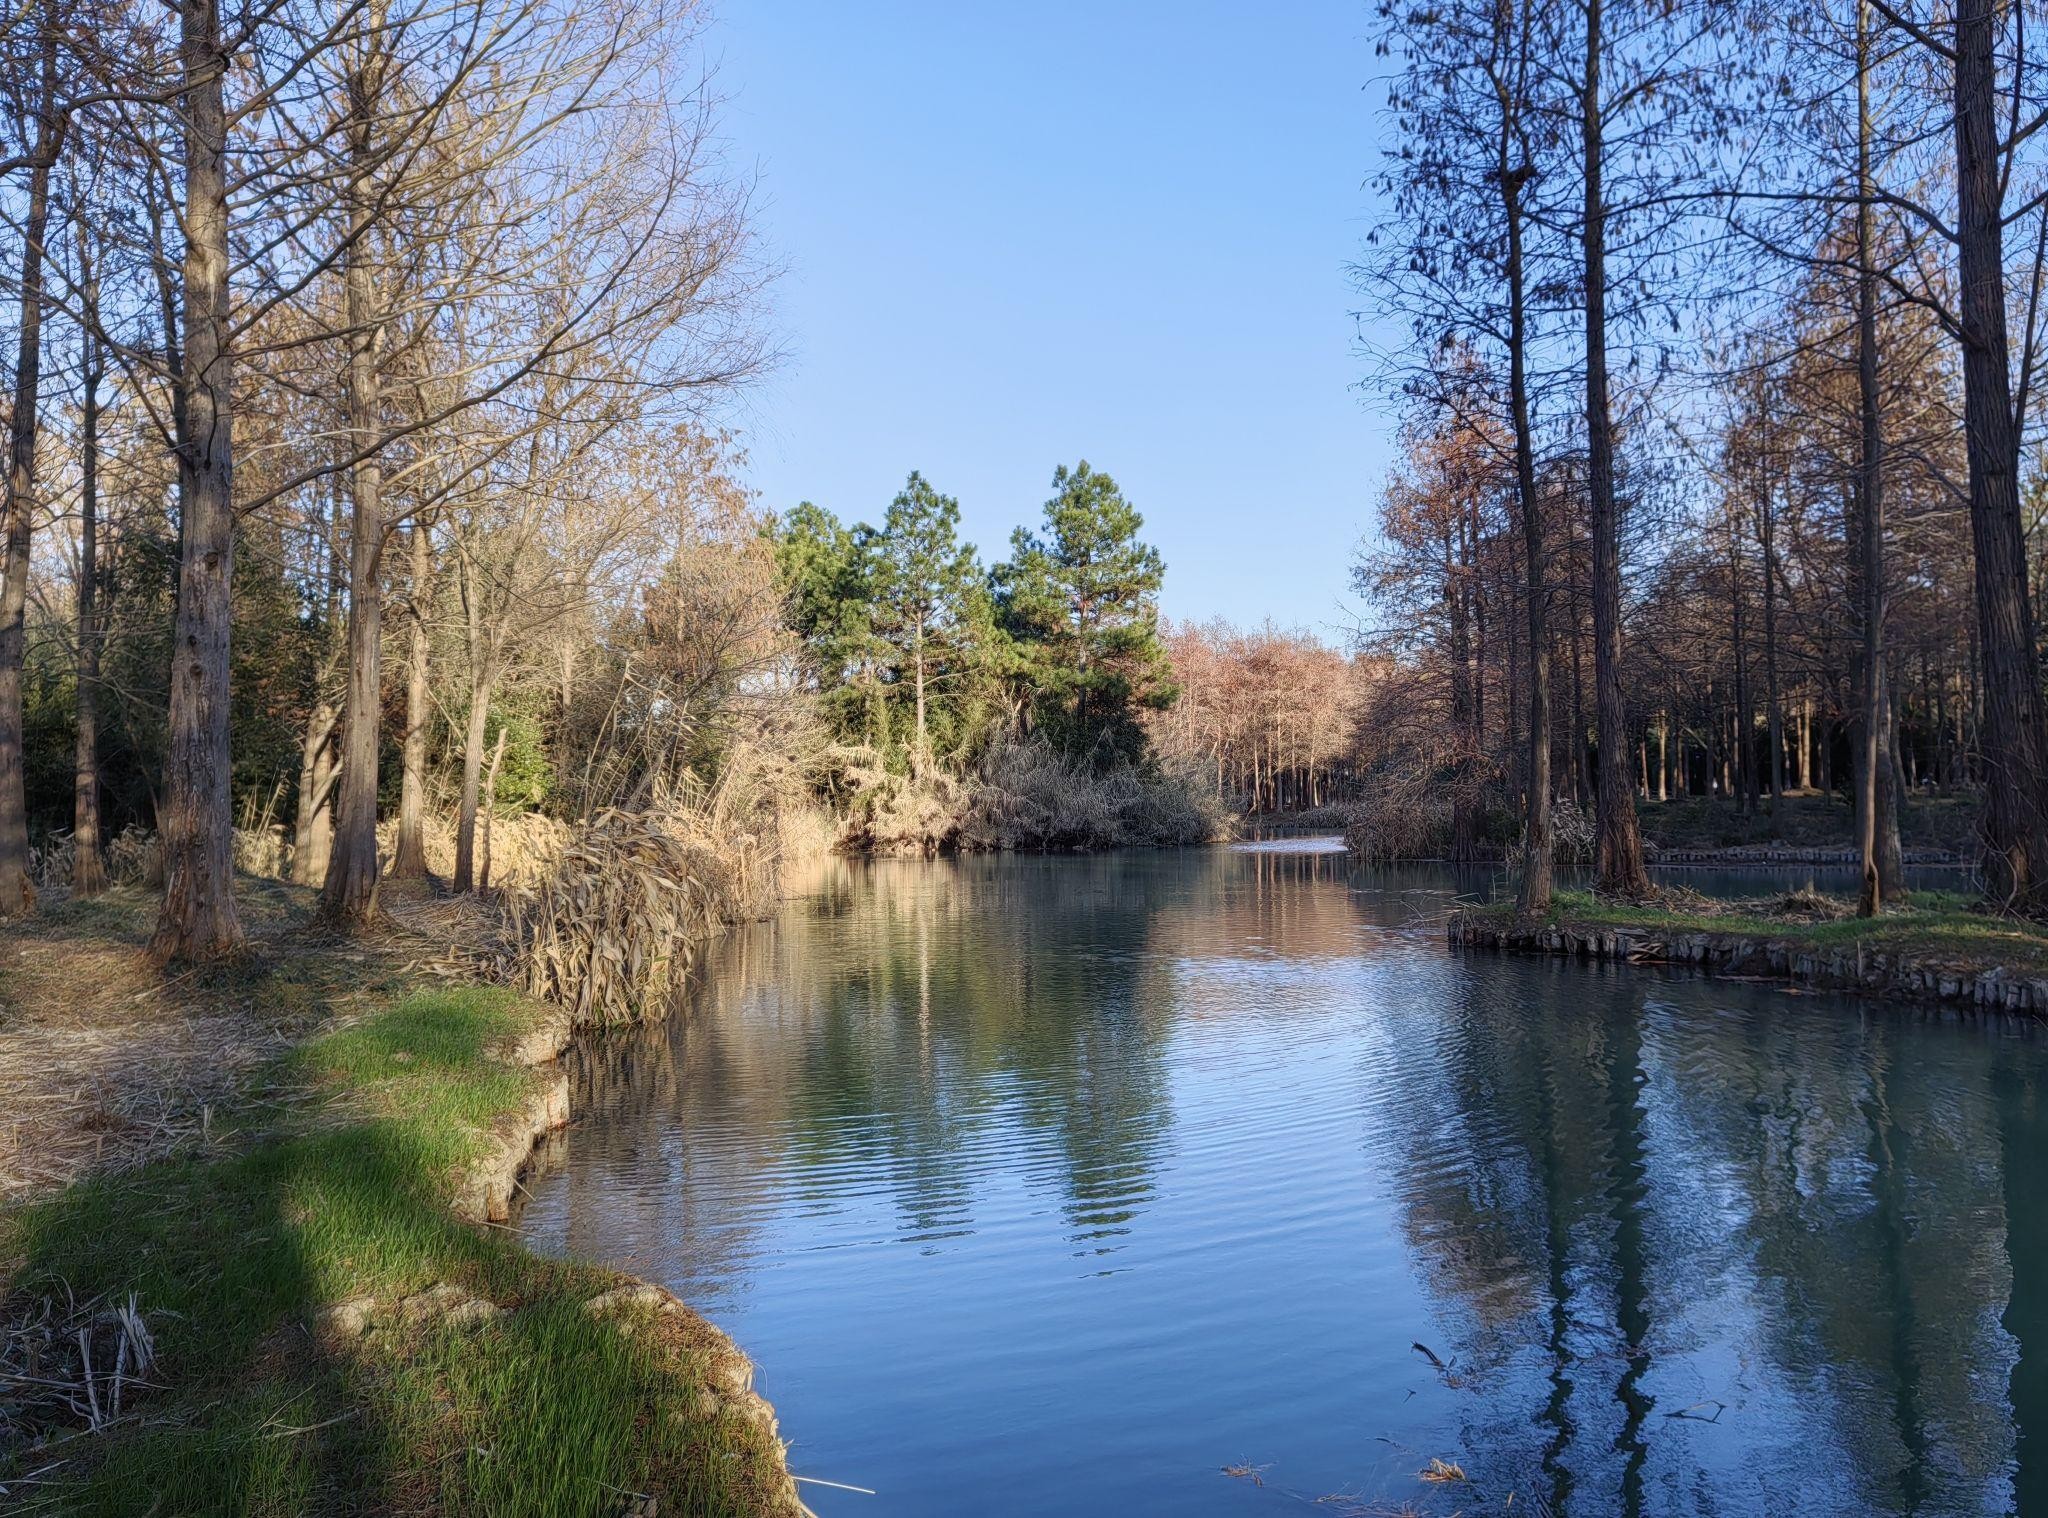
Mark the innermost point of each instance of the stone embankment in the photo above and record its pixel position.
(1851, 968)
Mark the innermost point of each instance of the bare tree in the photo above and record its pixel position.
(1465, 273)
(17, 891)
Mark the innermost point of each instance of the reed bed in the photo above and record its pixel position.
(523, 848)
(610, 931)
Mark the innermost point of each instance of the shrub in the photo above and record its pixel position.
(1025, 795)
(1029, 796)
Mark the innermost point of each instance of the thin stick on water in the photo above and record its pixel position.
(839, 1486)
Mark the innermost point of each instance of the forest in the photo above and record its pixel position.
(371, 511)
(372, 519)
(1718, 336)
(425, 716)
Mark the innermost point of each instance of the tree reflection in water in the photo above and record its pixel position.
(1163, 1161)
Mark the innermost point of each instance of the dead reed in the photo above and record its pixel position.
(610, 931)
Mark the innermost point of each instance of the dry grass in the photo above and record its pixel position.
(523, 848)
(71, 1364)
(105, 1062)
(1808, 905)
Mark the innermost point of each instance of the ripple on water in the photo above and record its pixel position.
(1058, 1185)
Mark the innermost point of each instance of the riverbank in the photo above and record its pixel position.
(293, 1300)
(1938, 950)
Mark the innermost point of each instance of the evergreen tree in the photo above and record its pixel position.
(1081, 596)
(828, 573)
(925, 578)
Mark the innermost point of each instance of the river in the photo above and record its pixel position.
(1211, 1182)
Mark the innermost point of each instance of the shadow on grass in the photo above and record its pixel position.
(260, 1409)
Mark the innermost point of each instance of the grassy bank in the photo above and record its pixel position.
(1401, 822)
(1938, 948)
(314, 1330)
(1811, 819)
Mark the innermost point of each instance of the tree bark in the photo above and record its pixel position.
(490, 810)
(1534, 892)
(472, 780)
(198, 919)
(2011, 737)
(313, 817)
(1464, 808)
(349, 898)
(1870, 504)
(1766, 531)
(1619, 844)
(17, 889)
(409, 858)
(88, 864)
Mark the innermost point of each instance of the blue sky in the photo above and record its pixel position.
(1025, 234)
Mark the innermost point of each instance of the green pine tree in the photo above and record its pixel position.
(1081, 598)
(828, 573)
(925, 583)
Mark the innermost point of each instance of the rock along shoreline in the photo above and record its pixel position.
(1864, 972)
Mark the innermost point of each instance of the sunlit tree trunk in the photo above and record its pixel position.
(313, 829)
(198, 919)
(409, 857)
(349, 897)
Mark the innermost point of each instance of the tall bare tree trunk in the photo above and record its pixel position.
(1742, 715)
(1766, 532)
(409, 858)
(2012, 741)
(1871, 779)
(88, 864)
(1619, 843)
(17, 890)
(198, 919)
(313, 825)
(1464, 807)
(1534, 892)
(349, 897)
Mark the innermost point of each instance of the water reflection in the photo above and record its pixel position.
(1060, 1184)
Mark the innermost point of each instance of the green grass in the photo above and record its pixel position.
(231, 1249)
(1936, 925)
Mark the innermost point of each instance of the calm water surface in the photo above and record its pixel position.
(1061, 1185)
